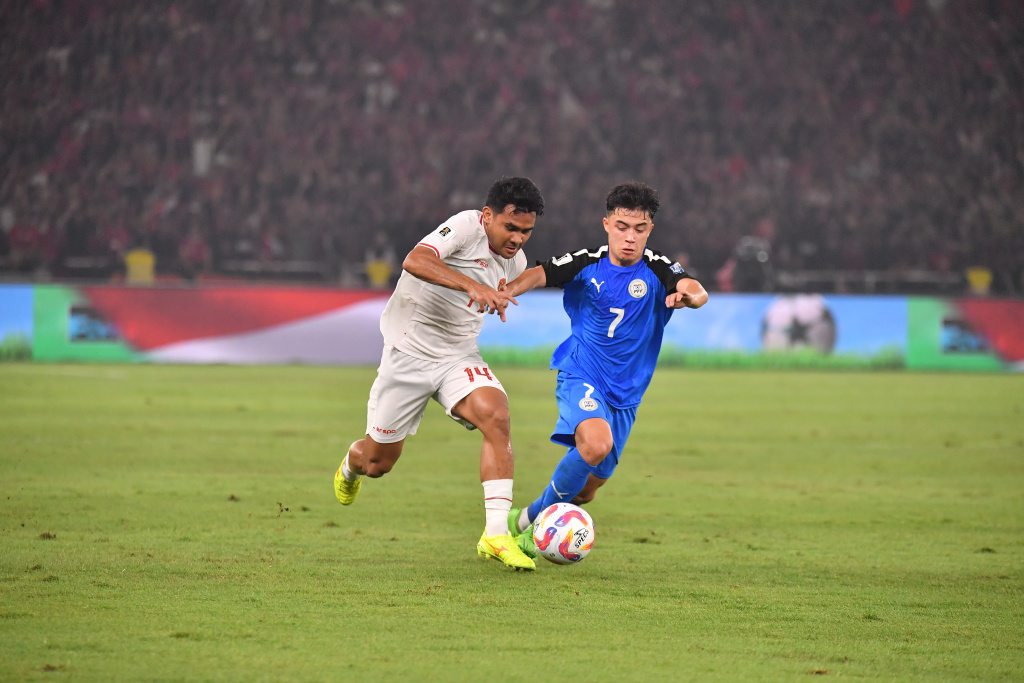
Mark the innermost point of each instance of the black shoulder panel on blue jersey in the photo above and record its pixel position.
(560, 270)
(668, 272)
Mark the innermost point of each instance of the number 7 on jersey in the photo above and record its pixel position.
(619, 312)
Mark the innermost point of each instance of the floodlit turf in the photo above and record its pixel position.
(179, 523)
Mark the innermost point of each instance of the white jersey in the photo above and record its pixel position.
(432, 322)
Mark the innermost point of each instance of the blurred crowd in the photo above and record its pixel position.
(870, 135)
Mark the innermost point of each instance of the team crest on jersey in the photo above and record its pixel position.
(588, 404)
(446, 232)
(638, 289)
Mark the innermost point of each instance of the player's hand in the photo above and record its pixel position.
(689, 294)
(508, 300)
(679, 300)
(491, 300)
(502, 305)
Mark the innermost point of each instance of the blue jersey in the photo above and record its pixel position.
(618, 317)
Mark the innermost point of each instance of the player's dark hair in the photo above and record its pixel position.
(519, 192)
(633, 196)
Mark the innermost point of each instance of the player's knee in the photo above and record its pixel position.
(496, 425)
(595, 450)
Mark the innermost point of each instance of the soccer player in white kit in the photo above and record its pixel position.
(450, 280)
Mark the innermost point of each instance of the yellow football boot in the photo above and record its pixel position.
(504, 549)
(345, 490)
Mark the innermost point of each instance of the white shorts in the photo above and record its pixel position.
(404, 384)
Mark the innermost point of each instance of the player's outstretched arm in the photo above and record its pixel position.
(531, 278)
(689, 294)
(527, 280)
(424, 264)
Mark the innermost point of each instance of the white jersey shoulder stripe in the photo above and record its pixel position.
(567, 258)
(651, 256)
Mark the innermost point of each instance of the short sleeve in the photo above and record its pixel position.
(668, 273)
(560, 270)
(447, 239)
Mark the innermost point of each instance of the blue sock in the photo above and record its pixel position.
(569, 479)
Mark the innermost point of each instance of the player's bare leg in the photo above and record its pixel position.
(373, 459)
(589, 491)
(364, 457)
(487, 409)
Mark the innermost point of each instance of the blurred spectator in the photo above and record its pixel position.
(749, 268)
(139, 265)
(380, 262)
(194, 254)
(979, 281)
(271, 245)
(5, 245)
(32, 246)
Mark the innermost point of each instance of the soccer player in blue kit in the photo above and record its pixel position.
(619, 299)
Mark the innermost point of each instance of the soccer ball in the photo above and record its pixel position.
(564, 533)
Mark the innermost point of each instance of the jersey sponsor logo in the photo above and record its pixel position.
(676, 268)
(638, 289)
(597, 284)
(446, 232)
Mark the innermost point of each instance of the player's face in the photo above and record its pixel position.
(506, 231)
(628, 230)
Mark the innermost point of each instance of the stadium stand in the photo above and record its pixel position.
(874, 145)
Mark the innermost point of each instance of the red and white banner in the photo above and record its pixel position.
(246, 326)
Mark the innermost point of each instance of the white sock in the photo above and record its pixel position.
(524, 519)
(497, 503)
(345, 471)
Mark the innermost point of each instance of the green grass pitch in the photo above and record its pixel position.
(179, 523)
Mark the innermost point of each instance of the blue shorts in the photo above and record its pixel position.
(579, 401)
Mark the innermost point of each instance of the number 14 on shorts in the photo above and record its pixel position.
(481, 372)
